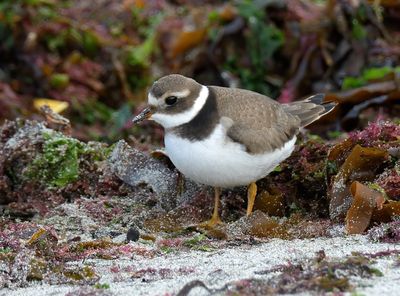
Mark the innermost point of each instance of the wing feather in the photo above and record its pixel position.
(258, 122)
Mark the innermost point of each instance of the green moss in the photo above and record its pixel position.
(194, 241)
(378, 188)
(375, 271)
(166, 250)
(5, 250)
(205, 248)
(59, 162)
(334, 134)
(102, 286)
(197, 243)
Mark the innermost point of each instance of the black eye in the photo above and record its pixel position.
(171, 100)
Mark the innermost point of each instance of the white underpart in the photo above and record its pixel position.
(220, 162)
(173, 120)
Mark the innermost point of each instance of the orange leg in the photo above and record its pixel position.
(251, 196)
(215, 219)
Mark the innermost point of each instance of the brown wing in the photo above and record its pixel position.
(258, 123)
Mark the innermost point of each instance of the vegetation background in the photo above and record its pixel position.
(95, 59)
(72, 196)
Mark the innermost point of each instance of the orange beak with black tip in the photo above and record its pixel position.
(145, 114)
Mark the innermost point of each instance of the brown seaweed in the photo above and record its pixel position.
(365, 201)
(361, 165)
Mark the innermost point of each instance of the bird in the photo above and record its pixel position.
(226, 137)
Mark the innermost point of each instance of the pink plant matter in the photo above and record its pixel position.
(101, 209)
(12, 233)
(115, 269)
(387, 233)
(390, 182)
(287, 94)
(170, 242)
(376, 132)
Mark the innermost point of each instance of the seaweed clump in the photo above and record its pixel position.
(360, 191)
(387, 233)
(355, 180)
(319, 275)
(300, 183)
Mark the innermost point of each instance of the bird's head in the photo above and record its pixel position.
(173, 100)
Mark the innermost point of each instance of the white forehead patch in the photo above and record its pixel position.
(173, 120)
(152, 100)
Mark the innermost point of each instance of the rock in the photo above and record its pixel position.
(136, 168)
(133, 234)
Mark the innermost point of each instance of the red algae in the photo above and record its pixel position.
(376, 133)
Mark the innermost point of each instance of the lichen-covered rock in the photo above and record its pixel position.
(18, 145)
(41, 168)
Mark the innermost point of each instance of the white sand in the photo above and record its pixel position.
(221, 266)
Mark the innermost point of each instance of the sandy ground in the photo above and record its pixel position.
(219, 267)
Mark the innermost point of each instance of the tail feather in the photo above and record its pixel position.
(316, 99)
(310, 109)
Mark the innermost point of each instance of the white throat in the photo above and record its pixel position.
(174, 120)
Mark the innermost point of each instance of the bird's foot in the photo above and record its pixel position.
(212, 223)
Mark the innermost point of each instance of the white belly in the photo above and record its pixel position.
(219, 162)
